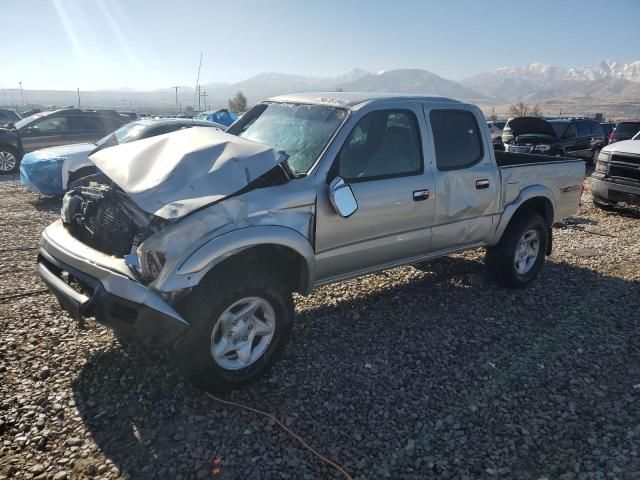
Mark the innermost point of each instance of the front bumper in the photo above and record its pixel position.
(89, 283)
(615, 190)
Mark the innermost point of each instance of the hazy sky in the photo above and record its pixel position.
(92, 44)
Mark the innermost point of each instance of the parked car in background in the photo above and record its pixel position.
(9, 116)
(32, 111)
(616, 177)
(132, 116)
(49, 171)
(495, 131)
(578, 138)
(608, 128)
(625, 131)
(48, 129)
(222, 116)
(198, 239)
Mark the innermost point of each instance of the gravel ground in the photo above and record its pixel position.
(411, 373)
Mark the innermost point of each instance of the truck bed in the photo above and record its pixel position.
(509, 159)
(561, 176)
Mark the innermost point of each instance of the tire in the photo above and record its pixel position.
(602, 205)
(204, 309)
(501, 260)
(9, 160)
(80, 173)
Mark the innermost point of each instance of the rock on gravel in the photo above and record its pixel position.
(429, 372)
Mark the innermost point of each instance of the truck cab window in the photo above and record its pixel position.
(385, 143)
(457, 140)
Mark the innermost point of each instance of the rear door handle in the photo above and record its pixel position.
(482, 184)
(420, 195)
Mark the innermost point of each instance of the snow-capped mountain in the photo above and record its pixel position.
(538, 81)
(608, 69)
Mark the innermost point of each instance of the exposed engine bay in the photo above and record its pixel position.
(99, 214)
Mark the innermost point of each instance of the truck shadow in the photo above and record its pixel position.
(442, 358)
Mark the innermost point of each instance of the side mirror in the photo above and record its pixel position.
(342, 198)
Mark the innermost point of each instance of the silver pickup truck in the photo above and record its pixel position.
(197, 239)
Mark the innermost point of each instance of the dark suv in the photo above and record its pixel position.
(570, 137)
(49, 129)
(625, 131)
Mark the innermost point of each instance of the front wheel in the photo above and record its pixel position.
(240, 325)
(519, 256)
(9, 160)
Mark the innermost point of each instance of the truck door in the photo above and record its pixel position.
(466, 177)
(382, 159)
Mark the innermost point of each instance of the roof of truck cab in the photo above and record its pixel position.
(353, 99)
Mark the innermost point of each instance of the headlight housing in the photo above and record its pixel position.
(151, 263)
(602, 163)
(542, 148)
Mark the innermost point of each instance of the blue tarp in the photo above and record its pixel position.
(42, 175)
(223, 117)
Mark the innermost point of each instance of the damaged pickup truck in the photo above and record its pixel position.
(198, 238)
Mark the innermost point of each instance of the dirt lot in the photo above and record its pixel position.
(411, 373)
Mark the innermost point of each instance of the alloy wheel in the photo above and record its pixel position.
(243, 333)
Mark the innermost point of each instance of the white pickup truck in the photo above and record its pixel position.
(197, 239)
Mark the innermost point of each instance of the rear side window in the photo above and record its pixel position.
(583, 129)
(596, 129)
(85, 123)
(457, 139)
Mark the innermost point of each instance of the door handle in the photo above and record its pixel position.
(419, 195)
(482, 184)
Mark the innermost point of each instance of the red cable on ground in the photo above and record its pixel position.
(286, 429)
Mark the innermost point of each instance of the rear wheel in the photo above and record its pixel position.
(9, 159)
(240, 324)
(519, 255)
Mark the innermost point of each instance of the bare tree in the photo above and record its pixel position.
(536, 111)
(238, 103)
(519, 110)
(493, 117)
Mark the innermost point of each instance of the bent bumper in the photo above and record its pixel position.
(615, 191)
(85, 287)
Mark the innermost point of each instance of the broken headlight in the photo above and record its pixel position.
(151, 263)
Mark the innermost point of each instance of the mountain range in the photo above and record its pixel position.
(608, 81)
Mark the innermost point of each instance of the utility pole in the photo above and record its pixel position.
(197, 92)
(204, 99)
(79, 98)
(21, 93)
(199, 98)
(176, 88)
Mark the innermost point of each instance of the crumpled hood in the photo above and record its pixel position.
(530, 125)
(174, 174)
